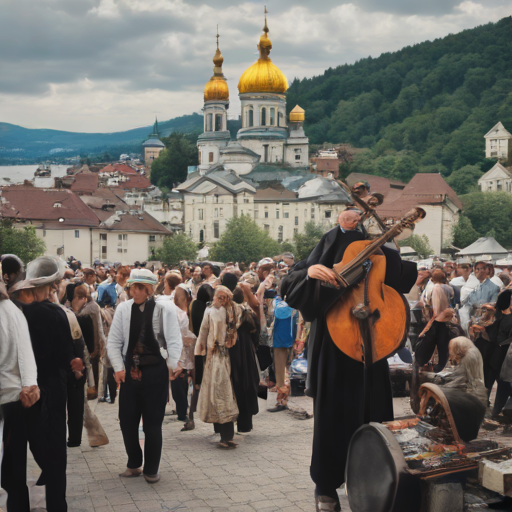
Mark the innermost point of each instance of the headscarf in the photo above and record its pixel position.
(229, 281)
(198, 306)
(232, 316)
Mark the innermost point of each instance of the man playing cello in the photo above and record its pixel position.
(336, 381)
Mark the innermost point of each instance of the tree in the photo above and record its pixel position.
(464, 233)
(490, 210)
(170, 168)
(305, 242)
(465, 179)
(243, 241)
(23, 242)
(176, 248)
(420, 244)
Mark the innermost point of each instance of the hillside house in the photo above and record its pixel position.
(495, 179)
(498, 143)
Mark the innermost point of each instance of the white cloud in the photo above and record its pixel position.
(108, 65)
(107, 9)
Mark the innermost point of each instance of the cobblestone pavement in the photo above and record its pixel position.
(269, 471)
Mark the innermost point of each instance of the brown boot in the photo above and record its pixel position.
(131, 472)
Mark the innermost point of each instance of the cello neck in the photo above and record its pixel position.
(413, 216)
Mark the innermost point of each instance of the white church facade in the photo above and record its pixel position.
(266, 136)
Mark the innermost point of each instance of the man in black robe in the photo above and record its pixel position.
(335, 381)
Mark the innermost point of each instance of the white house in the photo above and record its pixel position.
(105, 228)
(495, 179)
(498, 143)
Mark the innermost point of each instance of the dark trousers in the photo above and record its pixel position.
(76, 399)
(502, 394)
(226, 430)
(437, 336)
(95, 365)
(179, 390)
(44, 427)
(144, 399)
(111, 384)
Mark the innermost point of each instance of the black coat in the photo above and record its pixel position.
(335, 381)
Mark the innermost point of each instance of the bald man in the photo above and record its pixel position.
(335, 381)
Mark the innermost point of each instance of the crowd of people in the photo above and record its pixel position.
(207, 338)
(465, 299)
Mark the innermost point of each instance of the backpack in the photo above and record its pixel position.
(283, 312)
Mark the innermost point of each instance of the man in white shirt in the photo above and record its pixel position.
(18, 378)
(144, 347)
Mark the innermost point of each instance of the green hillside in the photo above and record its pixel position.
(424, 108)
(22, 145)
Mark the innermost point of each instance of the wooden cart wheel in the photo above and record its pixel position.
(428, 391)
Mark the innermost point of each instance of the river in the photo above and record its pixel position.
(20, 173)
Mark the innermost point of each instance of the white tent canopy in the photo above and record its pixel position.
(485, 246)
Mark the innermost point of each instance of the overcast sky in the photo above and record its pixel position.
(112, 65)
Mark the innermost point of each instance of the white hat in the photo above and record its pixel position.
(142, 276)
(45, 270)
(266, 261)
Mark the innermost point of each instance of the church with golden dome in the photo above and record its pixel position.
(266, 135)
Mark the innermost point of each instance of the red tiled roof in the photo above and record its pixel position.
(326, 164)
(104, 202)
(378, 184)
(29, 203)
(85, 183)
(399, 198)
(108, 168)
(428, 184)
(135, 181)
(138, 222)
(124, 169)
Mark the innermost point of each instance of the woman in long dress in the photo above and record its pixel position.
(217, 403)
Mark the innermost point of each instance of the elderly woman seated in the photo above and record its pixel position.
(465, 390)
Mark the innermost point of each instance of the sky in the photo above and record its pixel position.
(113, 65)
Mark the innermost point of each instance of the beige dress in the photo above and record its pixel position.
(217, 402)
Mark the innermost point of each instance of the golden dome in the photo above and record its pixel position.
(297, 115)
(263, 75)
(217, 87)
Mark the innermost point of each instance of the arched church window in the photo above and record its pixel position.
(209, 122)
(210, 157)
(272, 116)
(263, 116)
(280, 119)
(201, 235)
(218, 122)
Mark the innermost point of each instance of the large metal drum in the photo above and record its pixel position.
(377, 479)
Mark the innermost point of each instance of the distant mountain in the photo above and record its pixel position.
(425, 108)
(24, 145)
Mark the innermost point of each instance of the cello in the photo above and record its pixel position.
(371, 321)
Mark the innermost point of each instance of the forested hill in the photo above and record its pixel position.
(23, 144)
(421, 109)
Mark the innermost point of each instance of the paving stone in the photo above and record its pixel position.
(269, 471)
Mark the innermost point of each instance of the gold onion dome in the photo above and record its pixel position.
(298, 114)
(263, 75)
(217, 87)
